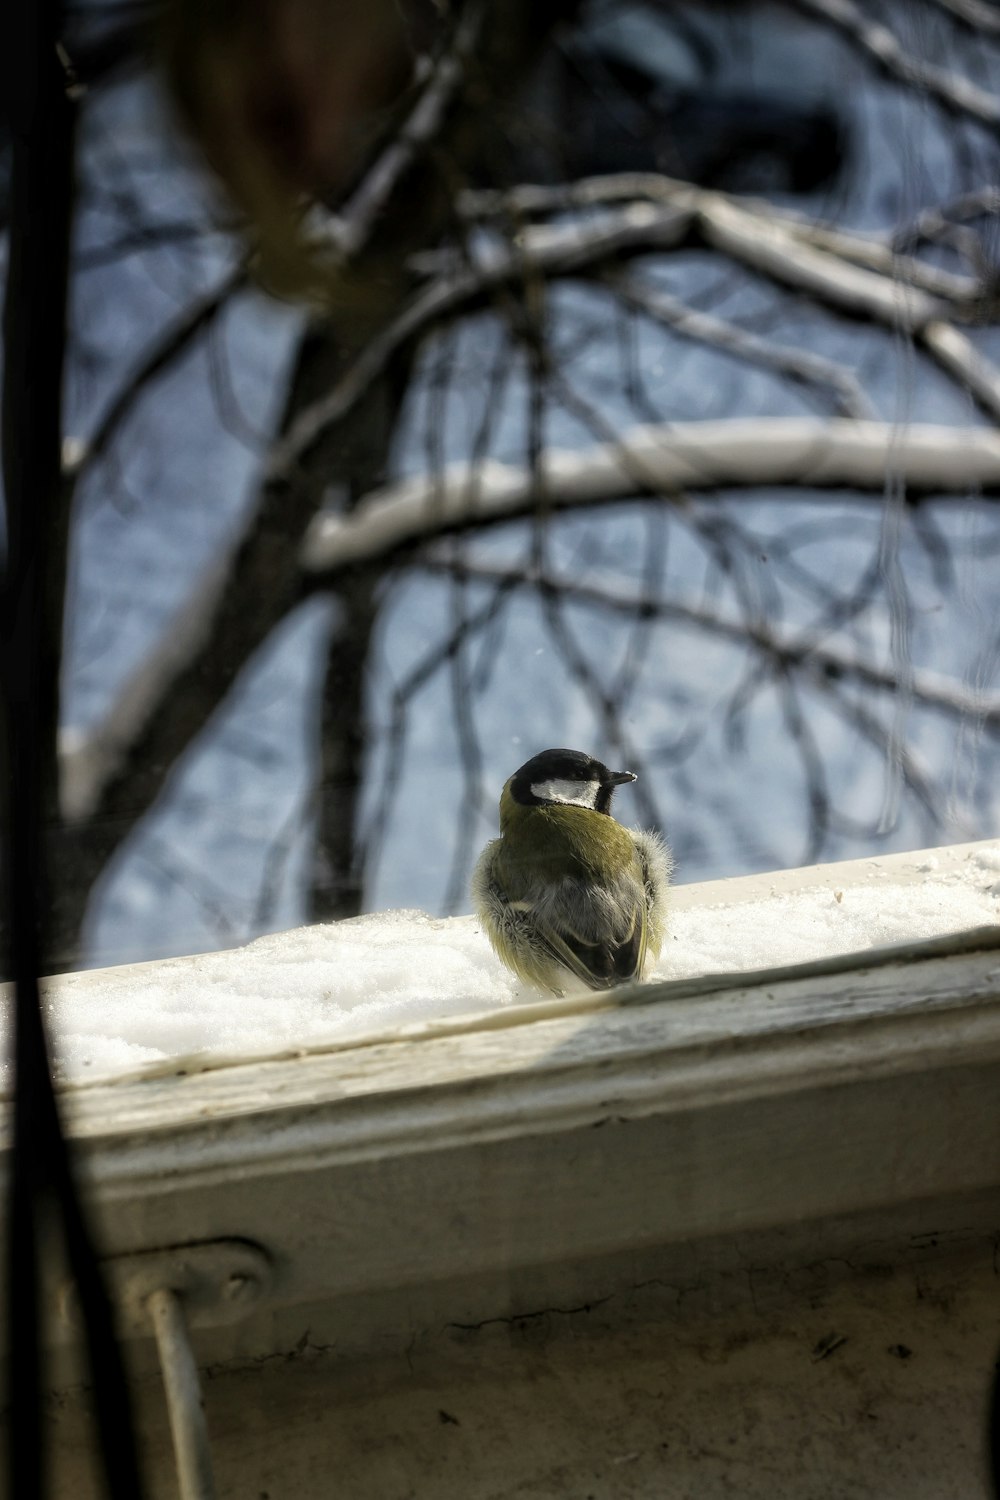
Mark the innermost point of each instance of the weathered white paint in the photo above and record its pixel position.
(767, 1379)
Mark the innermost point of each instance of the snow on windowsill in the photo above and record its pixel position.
(321, 985)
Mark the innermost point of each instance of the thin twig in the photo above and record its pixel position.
(883, 48)
(973, 13)
(458, 291)
(177, 337)
(798, 364)
(352, 227)
(786, 650)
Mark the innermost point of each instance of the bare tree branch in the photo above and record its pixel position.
(897, 758)
(931, 221)
(556, 252)
(773, 249)
(785, 649)
(425, 669)
(349, 231)
(264, 567)
(799, 365)
(144, 237)
(88, 762)
(506, 248)
(973, 13)
(882, 47)
(79, 457)
(956, 353)
(352, 226)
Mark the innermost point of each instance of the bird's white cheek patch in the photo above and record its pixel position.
(574, 793)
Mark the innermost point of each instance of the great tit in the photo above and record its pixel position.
(565, 891)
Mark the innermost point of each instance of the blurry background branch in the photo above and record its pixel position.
(793, 452)
(880, 43)
(401, 202)
(783, 650)
(596, 309)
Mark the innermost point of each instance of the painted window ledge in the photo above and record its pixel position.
(466, 1152)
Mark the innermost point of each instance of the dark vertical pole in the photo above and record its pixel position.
(993, 1430)
(34, 332)
(41, 1195)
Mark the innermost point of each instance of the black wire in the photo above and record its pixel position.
(42, 1194)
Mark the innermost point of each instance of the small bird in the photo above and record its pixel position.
(565, 891)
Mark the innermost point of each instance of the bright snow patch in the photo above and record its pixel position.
(322, 984)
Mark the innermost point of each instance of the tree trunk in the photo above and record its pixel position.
(338, 865)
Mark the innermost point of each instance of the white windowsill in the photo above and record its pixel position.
(471, 1151)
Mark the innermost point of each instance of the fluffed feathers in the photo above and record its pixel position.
(601, 932)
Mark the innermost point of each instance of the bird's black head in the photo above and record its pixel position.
(566, 776)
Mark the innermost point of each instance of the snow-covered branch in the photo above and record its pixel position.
(862, 277)
(957, 354)
(665, 460)
(546, 252)
(775, 250)
(874, 252)
(786, 251)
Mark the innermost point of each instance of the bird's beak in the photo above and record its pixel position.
(618, 778)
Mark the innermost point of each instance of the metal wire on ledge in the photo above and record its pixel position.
(185, 1405)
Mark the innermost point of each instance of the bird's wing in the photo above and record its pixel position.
(600, 938)
(600, 961)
